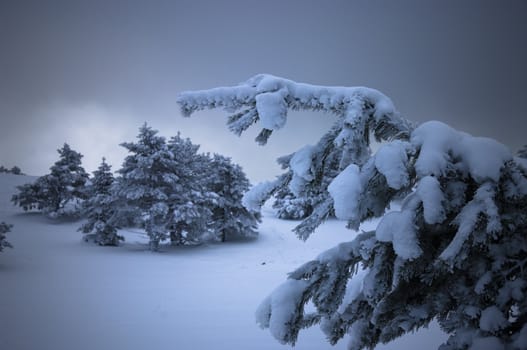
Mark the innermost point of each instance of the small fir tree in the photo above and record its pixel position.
(61, 191)
(229, 183)
(4, 228)
(455, 250)
(69, 177)
(189, 196)
(100, 209)
(33, 196)
(146, 182)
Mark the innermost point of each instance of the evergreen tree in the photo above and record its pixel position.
(33, 195)
(146, 182)
(16, 171)
(61, 191)
(68, 176)
(189, 196)
(229, 216)
(100, 209)
(179, 194)
(4, 228)
(455, 250)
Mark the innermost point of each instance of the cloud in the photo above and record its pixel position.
(90, 129)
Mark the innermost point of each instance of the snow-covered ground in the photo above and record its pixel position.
(58, 292)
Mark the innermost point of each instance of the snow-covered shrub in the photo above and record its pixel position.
(61, 191)
(455, 251)
(4, 228)
(100, 209)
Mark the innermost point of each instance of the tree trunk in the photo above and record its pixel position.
(154, 244)
(176, 238)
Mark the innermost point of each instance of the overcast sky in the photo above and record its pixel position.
(91, 72)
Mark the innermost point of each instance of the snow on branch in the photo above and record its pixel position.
(319, 280)
(266, 99)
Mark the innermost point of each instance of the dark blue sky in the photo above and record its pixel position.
(90, 72)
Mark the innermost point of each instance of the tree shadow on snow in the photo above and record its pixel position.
(185, 249)
(38, 217)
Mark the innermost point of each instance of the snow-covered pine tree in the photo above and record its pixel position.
(4, 228)
(16, 171)
(69, 177)
(146, 181)
(455, 250)
(100, 209)
(61, 191)
(189, 199)
(523, 152)
(229, 183)
(33, 196)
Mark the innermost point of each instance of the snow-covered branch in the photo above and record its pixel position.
(266, 99)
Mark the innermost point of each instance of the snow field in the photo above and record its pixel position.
(61, 293)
